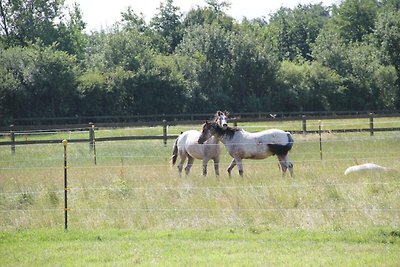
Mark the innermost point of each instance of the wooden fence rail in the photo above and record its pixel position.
(165, 136)
(68, 123)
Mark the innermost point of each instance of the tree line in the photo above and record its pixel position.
(308, 58)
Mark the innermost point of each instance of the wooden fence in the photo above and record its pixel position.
(251, 117)
(66, 123)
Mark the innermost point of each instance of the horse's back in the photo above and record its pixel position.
(270, 136)
(188, 137)
(189, 143)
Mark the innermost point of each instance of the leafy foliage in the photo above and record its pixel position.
(38, 81)
(307, 58)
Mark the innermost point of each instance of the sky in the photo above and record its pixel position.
(103, 14)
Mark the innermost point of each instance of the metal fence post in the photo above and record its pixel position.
(65, 142)
(320, 139)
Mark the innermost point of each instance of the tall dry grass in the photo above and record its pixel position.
(133, 186)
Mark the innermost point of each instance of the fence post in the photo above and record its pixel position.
(92, 141)
(12, 136)
(304, 124)
(371, 123)
(65, 142)
(165, 133)
(91, 136)
(320, 139)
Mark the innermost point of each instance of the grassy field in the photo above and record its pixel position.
(133, 208)
(194, 247)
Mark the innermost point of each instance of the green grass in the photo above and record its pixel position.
(245, 246)
(133, 208)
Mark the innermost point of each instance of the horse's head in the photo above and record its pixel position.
(221, 118)
(207, 131)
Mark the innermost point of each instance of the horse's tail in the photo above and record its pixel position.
(175, 152)
(290, 141)
(281, 150)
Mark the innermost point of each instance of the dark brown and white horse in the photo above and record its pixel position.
(245, 145)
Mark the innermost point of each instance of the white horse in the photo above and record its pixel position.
(186, 146)
(244, 145)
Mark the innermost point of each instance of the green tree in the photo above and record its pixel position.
(226, 69)
(354, 19)
(11, 93)
(130, 76)
(365, 91)
(390, 5)
(307, 87)
(387, 33)
(22, 22)
(132, 21)
(25, 22)
(294, 30)
(71, 36)
(213, 13)
(104, 93)
(42, 80)
(253, 70)
(361, 71)
(159, 89)
(331, 51)
(204, 53)
(128, 49)
(167, 23)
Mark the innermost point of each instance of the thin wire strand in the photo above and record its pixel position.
(248, 163)
(201, 188)
(219, 210)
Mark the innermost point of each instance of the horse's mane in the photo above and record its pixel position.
(229, 131)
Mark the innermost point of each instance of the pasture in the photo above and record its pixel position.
(132, 206)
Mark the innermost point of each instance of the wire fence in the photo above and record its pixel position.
(204, 188)
(298, 124)
(114, 161)
(161, 131)
(126, 149)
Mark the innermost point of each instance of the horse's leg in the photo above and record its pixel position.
(233, 164)
(216, 166)
(189, 165)
(205, 161)
(286, 164)
(182, 157)
(240, 166)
